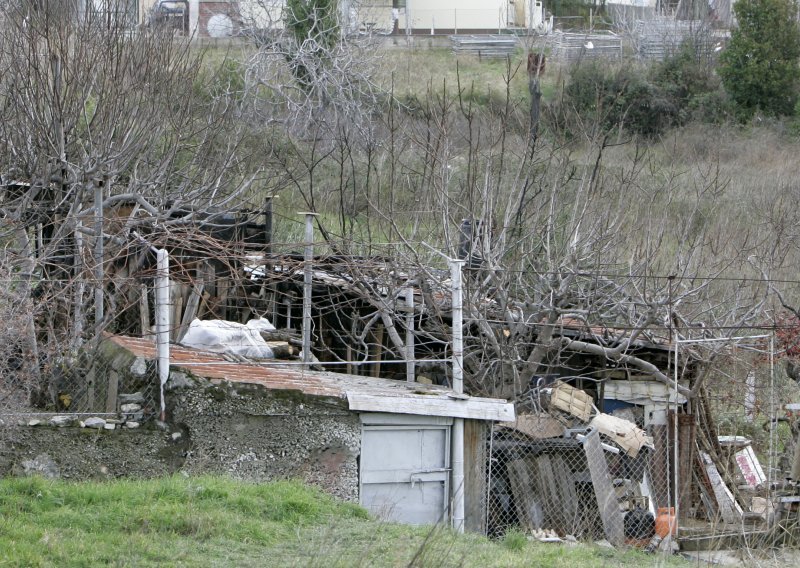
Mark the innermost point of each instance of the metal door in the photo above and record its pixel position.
(405, 467)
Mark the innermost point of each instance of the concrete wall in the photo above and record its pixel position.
(247, 433)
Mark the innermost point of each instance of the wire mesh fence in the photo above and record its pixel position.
(651, 468)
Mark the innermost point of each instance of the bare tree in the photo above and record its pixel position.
(314, 65)
(103, 132)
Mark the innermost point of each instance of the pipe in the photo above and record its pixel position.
(457, 461)
(163, 310)
(307, 280)
(98, 258)
(410, 350)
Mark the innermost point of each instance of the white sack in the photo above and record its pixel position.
(220, 336)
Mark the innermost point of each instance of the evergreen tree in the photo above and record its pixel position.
(759, 68)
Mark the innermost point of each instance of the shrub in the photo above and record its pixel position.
(687, 79)
(621, 98)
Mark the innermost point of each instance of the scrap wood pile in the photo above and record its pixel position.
(569, 469)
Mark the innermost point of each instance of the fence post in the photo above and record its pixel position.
(98, 258)
(163, 310)
(410, 350)
(307, 280)
(458, 387)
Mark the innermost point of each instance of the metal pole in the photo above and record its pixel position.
(98, 258)
(458, 325)
(163, 311)
(307, 278)
(458, 387)
(80, 280)
(675, 444)
(408, 21)
(772, 430)
(410, 351)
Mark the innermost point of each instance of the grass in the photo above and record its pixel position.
(214, 521)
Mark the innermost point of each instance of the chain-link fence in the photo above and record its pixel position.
(635, 462)
(554, 475)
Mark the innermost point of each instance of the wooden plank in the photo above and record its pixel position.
(475, 476)
(686, 445)
(604, 492)
(729, 509)
(548, 492)
(378, 351)
(658, 466)
(222, 299)
(144, 311)
(569, 496)
(529, 511)
(192, 306)
(432, 405)
(111, 391)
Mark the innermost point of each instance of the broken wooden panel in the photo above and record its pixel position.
(537, 426)
(624, 433)
(571, 400)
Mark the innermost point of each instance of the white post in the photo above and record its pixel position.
(194, 18)
(99, 272)
(433, 24)
(307, 280)
(163, 311)
(455, 21)
(409, 22)
(77, 321)
(410, 351)
(675, 432)
(458, 387)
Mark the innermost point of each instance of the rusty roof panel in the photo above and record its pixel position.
(408, 398)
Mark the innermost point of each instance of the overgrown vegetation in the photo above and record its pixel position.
(643, 100)
(212, 521)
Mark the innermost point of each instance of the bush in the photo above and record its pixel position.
(621, 98)
(673, 92)
(688, 81)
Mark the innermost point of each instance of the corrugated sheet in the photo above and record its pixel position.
(408, 398)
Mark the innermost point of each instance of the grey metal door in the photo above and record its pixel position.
(405, 467)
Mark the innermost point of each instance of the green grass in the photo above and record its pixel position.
(213, 521)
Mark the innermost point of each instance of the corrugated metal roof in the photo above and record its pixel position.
(361, 393)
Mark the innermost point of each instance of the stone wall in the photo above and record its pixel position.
(243, 431)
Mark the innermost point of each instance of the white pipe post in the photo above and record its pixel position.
(408, 21)
(194, 17)
(307, 279)
(458, 386)
(410, 351)
(99, 273)
(77, 321)
(675, 449)
(163, 311)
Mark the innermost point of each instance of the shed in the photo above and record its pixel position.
(381, 442)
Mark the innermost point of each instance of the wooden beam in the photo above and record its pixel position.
(433, 405)
(192, 306)
(144, 311)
